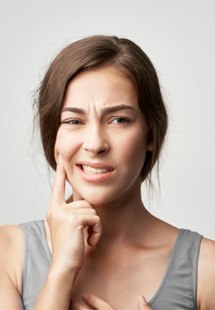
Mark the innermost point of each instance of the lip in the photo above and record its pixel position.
(98, 177)
(95, 165)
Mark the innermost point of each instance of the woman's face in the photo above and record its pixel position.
(102, 138)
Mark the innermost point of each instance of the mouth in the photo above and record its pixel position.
(95, 172)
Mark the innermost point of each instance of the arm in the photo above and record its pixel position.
(206, 275)
(11, 261)
(66, 223)
(11, 257)
(56, 293)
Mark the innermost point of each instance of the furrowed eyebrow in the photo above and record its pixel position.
(117, 108)
(105, 111)
(74, 110)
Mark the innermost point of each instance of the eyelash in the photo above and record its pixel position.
(71, 122)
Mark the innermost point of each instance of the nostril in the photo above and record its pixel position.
(102, 151)
(97, 150)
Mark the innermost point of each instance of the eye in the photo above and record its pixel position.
(121, 120)
(71, 122)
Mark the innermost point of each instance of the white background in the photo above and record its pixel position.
(178, 36)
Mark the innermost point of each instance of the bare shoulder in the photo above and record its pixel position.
(11, 235)
(12, 252)
(206, 275)
(11, 264)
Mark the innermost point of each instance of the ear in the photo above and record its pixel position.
(150, 147)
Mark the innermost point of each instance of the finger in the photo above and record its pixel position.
(79, 204)
(83, 211)
(58, 194)
(94, 226)
(142, 304)
(95, 302)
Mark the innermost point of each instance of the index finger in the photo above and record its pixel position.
(58, 193)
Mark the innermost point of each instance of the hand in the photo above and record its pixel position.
(67, 222)
(98, 304)
(92, 302)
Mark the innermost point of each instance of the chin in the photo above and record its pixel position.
(96, 200)
(103, 194)
(95, 197)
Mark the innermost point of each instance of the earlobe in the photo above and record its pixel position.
(150, 147)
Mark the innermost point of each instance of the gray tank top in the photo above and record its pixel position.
(177, 290)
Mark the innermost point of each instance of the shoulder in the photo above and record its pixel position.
(206, 275)
(10, 236)
(12, 253)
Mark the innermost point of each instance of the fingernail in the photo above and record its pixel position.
(142, 300)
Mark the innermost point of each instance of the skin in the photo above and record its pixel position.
(104, 235)
(93, 135)
(115, 138)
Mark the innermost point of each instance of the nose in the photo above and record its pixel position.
(96, 141)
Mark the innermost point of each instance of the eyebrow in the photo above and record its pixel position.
(105, 111)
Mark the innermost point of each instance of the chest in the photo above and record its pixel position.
(121, 283)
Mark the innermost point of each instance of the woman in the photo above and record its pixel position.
(103, 124)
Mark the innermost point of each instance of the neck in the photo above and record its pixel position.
(123, 221)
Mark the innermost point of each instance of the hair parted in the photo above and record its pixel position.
(92, 52)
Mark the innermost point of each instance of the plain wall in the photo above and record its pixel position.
(178, 36)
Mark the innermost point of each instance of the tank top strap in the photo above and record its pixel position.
(178, 289)
(189, 246)
(36, 261)
(176, 292)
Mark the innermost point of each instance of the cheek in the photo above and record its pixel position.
(66, 145)
(134, 147)
(133, 152)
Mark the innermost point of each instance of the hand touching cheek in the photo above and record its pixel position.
(66, 223)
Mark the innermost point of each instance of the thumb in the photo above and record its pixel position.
(142, 304)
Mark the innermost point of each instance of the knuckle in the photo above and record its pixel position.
(97, 218)
(93, 211)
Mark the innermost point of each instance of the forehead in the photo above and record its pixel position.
(101, 86)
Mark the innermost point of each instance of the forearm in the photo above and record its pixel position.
(56, 293)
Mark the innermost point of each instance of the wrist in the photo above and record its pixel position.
(62, 278)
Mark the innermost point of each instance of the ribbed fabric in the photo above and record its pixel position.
(176, 292)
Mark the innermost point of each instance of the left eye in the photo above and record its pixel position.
(120, 120)
(72, 122)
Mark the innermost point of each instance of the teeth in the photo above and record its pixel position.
(92, 170)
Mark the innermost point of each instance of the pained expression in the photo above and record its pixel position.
(102, 138)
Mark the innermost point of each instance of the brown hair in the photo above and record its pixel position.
(89, 53)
